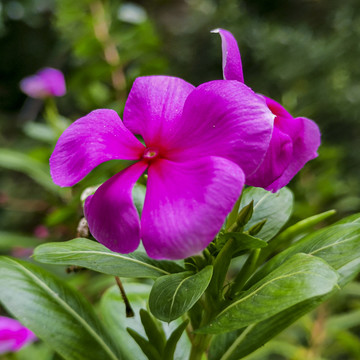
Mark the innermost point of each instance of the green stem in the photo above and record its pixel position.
(52, 116)
(200, 342)
(244, 274)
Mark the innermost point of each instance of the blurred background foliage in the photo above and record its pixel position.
(302, 53)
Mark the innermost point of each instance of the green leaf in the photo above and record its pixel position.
(240, 343)
(173, 341)
(153, 330)
(138, 195)
(338, 245)
(276, 208)
(301, 278)
(39, 131)
(354, 218)
(54, 312)
(94, 256)
(9, 240)
(173, 295)
(245, 242)
(39, 172)
(148, 349)
(292, 231)
(344, 321)
(112, 309)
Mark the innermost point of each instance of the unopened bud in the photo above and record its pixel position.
(255, 229)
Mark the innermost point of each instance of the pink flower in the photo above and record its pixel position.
(13, 335)
(47, 82)
(294, 140)
(199, 144)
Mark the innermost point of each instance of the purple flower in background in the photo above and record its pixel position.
(45, 83)
(199, 144)
(13, 335)
(294, 140)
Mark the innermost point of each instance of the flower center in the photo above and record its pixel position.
(150, 153)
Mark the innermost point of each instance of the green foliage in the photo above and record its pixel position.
(38, 171)
(56, 313)
(337, 244)
(173, 295)
(92, 255)
(274, 208)
(301, 278)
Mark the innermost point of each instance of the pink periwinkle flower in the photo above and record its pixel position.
(200, 144)
(294, 141)
(47, 82)
(13, 335)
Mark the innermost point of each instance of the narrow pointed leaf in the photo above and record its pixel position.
(173, 341)
(113, 312)
(354, 218)
(245, 242)
(276, 208)
(94, 256)
(173, 295)
(148, 349)
(238, 344)
(301, 278)
(338, 245)
(153, 330)
(56, 313)
(286, 236)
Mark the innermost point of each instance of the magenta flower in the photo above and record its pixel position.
(199, 144)
(45, 83)
(294, 140)
(13, 335)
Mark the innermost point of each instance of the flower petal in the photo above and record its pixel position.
(13, 335)
(111, 214)
(232, 67)
(53, 80)
(186, 204)
(97, 137)
(306, 141)
(277, 159)
(154, 107)
(227, 119)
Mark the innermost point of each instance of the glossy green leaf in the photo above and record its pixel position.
(112, 309)
(276, 208)
(54, 312)
(173, 295)
(38, 171)
(94, 256)
(147, 348)
(286, 236)
(153, 330)
(173, 341)
(299, 279)
(337, 245)
(245, 242)
(238, 344)
(354, 218)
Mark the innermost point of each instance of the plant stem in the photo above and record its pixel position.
(52, 116)
(244, 274)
